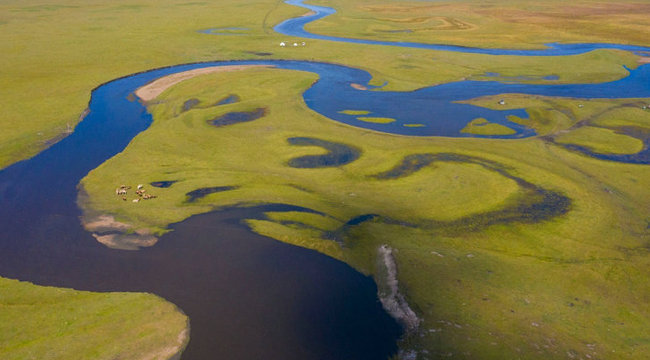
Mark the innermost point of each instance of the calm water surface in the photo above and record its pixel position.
(248, 297)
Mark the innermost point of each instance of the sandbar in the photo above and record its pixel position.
(156, 87)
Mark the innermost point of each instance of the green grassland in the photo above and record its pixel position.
(492, 24)
(483, 127)
(48, 71)
(601, 140)
(603, 126)
(355, 112)
(490, 277)
(50, 323)
(572, 283)
(376, 120)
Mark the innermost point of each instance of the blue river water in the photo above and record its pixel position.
(435, 110)
(247, 296)
(260, 297)
(295, 27)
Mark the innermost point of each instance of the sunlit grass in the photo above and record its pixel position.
(50, 323)
(601, 140)
(494, 24)
(574, 285)
(497, 291)
(376, 120)
(483, 127)
(49, 71)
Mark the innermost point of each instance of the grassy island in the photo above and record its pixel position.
(532, 248)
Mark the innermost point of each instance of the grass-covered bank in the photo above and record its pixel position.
(49, 71)
(597, 250)
(42, 323)
(520, 24)
(490, 271)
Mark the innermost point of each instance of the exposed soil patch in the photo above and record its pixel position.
(358, 86)
(133, 241)
(118, 235)
(173, 352)
(392, 299)
(105, 223)
(156, 87)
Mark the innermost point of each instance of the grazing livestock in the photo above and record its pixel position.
(141, 192)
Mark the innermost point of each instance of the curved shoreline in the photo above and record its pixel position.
(28, 182)
(337, 90)
(151, 90)
(54, 208)
(295, 27)
(68, 256)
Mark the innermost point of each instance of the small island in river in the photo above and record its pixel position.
(412, 180)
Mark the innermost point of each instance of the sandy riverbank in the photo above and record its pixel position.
(156, 87)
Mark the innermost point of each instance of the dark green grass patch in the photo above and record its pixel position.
(237, 117)
(194, 195)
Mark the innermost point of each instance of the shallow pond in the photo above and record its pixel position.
(247, 296)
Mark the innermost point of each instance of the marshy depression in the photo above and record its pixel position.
(249, 296)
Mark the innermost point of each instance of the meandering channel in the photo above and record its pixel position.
(296, 27)
(236, 285)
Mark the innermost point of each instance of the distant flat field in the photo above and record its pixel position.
(49, 71)
(499, 24)
(505, 248)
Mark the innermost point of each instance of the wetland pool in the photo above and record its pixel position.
(238, 288)
(247, 296)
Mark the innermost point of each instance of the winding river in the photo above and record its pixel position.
(213, 267)
(296, 27)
